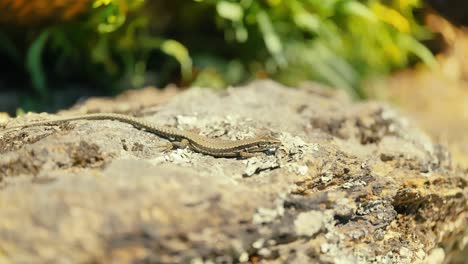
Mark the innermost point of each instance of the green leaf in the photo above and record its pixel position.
(172, 48)
(358, 9)
(181, 54)
(230, 11)
(34, 63)
(271, 39)
(418, 49)
(307, 21)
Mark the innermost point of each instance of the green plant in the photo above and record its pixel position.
(340, 42)
(226, 42)
(108, 45)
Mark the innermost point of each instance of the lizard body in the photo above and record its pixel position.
(214, 147)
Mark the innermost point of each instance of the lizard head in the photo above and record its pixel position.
(266, 142)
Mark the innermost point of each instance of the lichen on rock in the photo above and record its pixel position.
(353, 182)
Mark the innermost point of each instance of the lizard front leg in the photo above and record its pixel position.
(246, 155)
(181, 144)
(175, 144)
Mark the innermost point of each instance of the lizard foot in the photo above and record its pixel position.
(166, 147)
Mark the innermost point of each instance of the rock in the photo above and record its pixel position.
(353, 182)
(308, 223)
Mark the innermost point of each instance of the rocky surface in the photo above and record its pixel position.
(352, 183)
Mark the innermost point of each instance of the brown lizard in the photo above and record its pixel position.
(244, 148)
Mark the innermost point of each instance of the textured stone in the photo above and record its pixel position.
(353, 182)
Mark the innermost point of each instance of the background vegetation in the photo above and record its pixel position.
(117, 44)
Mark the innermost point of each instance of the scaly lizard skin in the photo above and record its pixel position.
(244, 148)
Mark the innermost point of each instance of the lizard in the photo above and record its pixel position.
(244, 148)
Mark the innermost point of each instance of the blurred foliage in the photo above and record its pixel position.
(339, 42)
(217, 43)
(110, 43)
